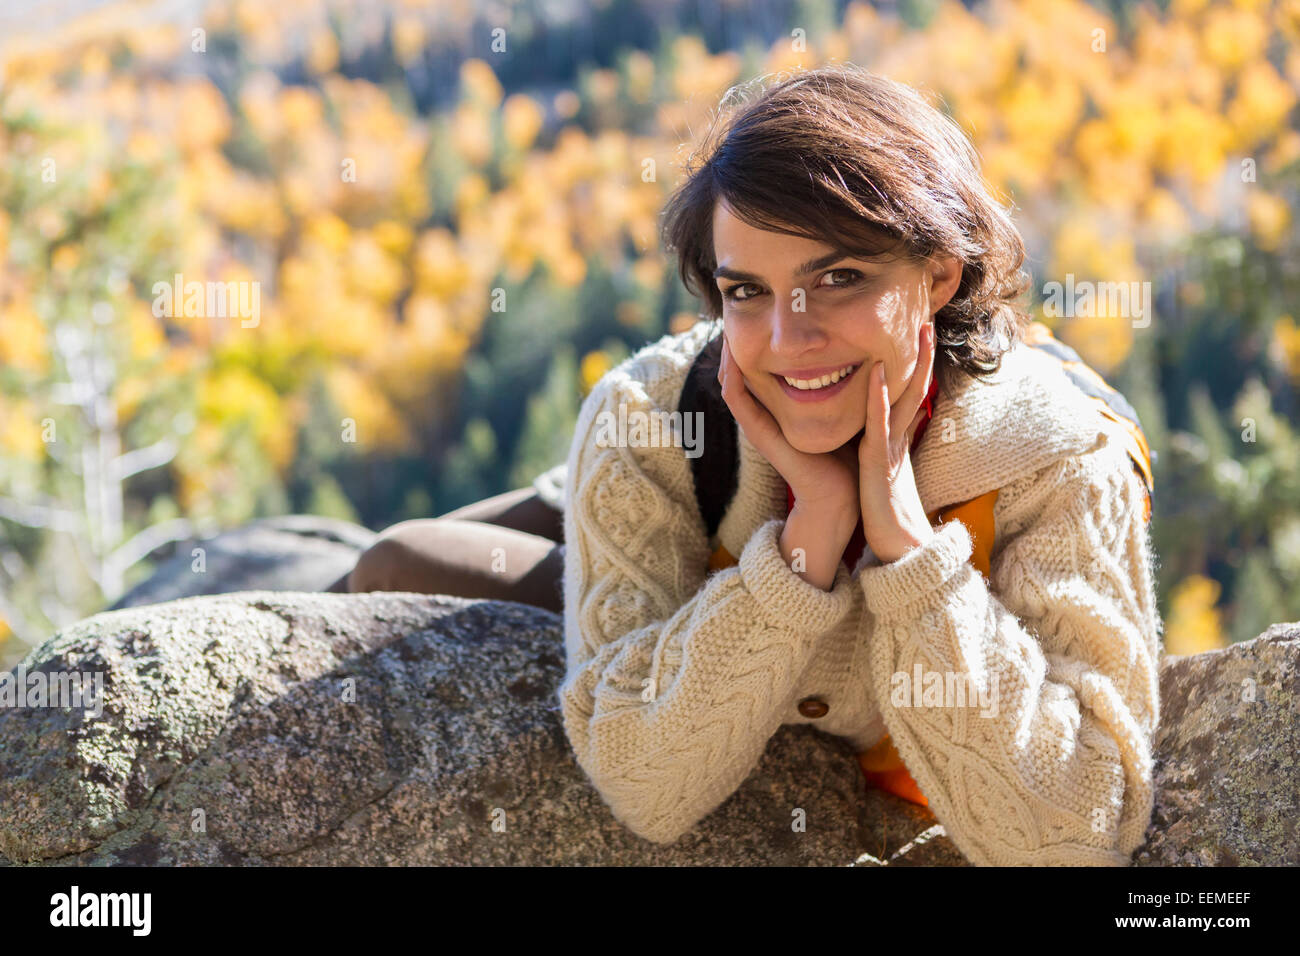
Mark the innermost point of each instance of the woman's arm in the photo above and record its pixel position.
(1067, 650)
(675, 681)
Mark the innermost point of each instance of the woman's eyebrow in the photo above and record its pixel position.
(812, 265)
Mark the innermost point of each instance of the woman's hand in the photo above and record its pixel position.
(825, 485)
(893, 519)
(829, 478)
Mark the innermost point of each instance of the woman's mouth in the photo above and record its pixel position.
(817, 390)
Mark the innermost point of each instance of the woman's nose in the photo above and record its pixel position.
(794, 330)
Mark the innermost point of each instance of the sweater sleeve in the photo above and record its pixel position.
(1054, 765)
(676, 678)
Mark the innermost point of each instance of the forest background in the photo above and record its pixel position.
(446, 211)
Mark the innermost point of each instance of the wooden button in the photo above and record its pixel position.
(813, 707)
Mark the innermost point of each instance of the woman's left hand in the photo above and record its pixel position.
(893, 520)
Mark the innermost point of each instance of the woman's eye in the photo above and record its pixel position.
(730, 294)
(853, 276)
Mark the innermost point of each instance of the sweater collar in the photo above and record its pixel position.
(984, 433)
(991, 431)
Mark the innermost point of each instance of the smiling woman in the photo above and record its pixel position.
(866, 171)
(802, 570)
(866, 285)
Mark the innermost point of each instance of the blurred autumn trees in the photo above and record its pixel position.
(451, 221)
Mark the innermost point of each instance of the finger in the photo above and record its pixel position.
(758, 424)
(919, 384)
(916, 423)
(876, 439)
(917, 418)
(931, 353)
(923, 374)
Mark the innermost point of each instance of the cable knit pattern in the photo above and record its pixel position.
(677, 678)
(675, 683)
(1067, 634)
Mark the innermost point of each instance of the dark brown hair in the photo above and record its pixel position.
(865, 164)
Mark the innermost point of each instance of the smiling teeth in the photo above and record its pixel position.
(822, 382)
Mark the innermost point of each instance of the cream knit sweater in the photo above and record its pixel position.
(677, 678)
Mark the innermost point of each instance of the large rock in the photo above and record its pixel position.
(288, 553)
(293, 728)
(234, 705)
(1228, 756)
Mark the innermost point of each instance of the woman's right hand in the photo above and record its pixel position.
(823, 483)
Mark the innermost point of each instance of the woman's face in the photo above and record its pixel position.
(795, 306)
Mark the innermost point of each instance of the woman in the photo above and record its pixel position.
(936, 549)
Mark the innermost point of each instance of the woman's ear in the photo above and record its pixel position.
(945, 277)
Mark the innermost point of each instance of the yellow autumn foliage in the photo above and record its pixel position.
(370, 272)
(1262, 103)
(439, 269)
(301, 109)
(1231, 37)
(521, 121)
(394, 237)
(378, 427)
(1270, 218)
(323, 52)
(408, 39)
(144, 331)
(1286, 342)
(480, 83)
(323, 188)
(593, 368)
(471, 131)
(202, 120)
(23, 342)
(1102, 340)
(640, 76)
(231, 396)
(1194, 622)
(21, 432)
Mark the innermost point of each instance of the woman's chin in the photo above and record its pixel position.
(816, 442)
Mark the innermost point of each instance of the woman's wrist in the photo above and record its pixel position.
(903, 541)
(813, 542)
